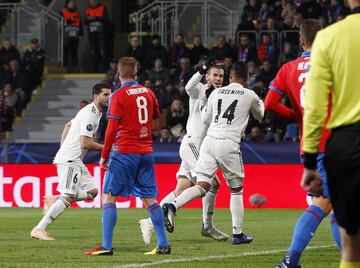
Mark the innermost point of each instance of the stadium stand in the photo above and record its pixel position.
(59, 100)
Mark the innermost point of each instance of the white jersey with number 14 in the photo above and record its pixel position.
(228, 111)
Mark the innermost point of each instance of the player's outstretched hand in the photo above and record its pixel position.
(311, 181)
(206, 65)
(103, 164)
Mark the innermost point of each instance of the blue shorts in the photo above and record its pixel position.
(321, 168)
(131, 174)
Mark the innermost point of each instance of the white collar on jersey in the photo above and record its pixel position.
(96, 110)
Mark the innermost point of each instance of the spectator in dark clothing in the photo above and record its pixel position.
(250, 11)
(11, 102)
(270, 25)
(178, 49)
(335, 11)
(267, 73)
(96, 18)
(246, 51)
(3, 114)
(165, 136)
(112, 76)
(8, 52)
(198, 51)
(185, 72)
(19, 79)
(34, 62)
(310, 9)
(222, 49)
(288, 12)
(73, 31)
(288, 54)
(159, 75)
(166, 96)
(176, 117)
(227, 68)
(156, 51)
(264, 13)
(136, 51)
(267, 50)
(253, 73)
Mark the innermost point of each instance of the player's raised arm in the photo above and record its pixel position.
(193, 86)
(257, 108)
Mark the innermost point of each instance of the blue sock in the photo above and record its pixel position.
(157, 217)
(109, 217)
(335, 230)
(304, 231)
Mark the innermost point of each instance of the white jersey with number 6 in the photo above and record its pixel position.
(85, 123)
(228, 110)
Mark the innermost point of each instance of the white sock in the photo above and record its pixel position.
(237, 212)
(53, 213)
(168, 199)
(208, 203)
(83, 195)
(189, 195)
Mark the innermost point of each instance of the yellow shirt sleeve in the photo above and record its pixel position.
(317, 90)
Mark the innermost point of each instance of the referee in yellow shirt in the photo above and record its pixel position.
(335, 75)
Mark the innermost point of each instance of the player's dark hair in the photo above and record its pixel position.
(308, 30)
(239, 70)
(216, 66)
(97, 88)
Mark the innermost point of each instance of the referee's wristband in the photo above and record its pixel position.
(310, 160)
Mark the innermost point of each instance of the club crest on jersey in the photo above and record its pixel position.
(144, 132)
(89, 127)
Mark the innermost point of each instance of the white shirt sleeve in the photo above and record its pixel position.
(194, 86)
(206, 113)
(257, 108)
(88, 126)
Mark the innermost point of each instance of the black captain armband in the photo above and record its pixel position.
(310, 160)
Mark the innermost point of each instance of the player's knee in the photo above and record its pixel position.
(323, 203)
(203, 187)
(108, 198)
(68, 197)
(182, 184)
(215, 183)
(149, 201)
(93, 193)
(235, 185)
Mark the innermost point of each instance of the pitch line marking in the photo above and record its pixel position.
(215, 257)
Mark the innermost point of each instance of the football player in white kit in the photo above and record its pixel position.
(189, 150)
(75, 181)
(227, 111)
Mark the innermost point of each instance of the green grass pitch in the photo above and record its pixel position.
(78, 230)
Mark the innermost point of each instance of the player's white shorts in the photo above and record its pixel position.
(189, 154)
(73, 176)
(220, 153)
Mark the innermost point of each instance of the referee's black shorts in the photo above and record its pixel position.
(342, 163)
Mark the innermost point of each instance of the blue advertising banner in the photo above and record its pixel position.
(253, 153)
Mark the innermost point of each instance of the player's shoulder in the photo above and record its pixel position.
(292, 64)
(89, 110)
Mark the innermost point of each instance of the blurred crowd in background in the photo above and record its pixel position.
(266, 38)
